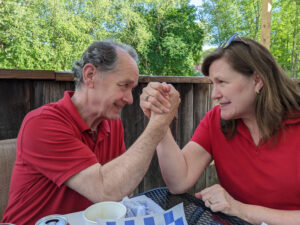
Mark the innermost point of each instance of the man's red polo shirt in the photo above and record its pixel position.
(267, 175)
(53, 144)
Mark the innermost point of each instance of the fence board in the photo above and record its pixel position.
(26, 74)
(185, 114)
(202, 103)
(22, 91)
(15, 103)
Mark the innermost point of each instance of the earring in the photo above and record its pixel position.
(257, 91)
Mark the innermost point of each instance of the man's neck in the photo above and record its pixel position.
(80, 101)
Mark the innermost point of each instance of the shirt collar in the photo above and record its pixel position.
(242, 128)
(291, 121)
(68, 105)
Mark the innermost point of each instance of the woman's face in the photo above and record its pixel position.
(234, 91)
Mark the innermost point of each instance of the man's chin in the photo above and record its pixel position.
(116, 116)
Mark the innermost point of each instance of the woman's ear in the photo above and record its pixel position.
(258, 82)
(88, 73)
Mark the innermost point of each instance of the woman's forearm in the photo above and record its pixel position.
(257, 215)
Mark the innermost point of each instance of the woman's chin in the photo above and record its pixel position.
(225, 116)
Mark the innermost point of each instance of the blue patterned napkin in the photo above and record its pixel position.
(141, 206)
(173, 216)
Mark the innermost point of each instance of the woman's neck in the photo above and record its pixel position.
(253, 128)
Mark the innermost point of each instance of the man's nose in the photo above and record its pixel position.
(128, 98)
(215, 94)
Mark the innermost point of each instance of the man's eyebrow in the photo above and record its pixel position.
(127, 81)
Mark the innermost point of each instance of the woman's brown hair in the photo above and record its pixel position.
(278, 99)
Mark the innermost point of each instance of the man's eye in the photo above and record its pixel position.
(124, 85)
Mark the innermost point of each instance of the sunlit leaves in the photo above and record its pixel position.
(51, 34)
(221, 18)
(285, 41)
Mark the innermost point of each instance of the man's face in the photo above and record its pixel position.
(113, 90)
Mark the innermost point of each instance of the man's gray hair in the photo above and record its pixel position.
(103, 55)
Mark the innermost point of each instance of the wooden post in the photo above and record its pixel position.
(266, 9)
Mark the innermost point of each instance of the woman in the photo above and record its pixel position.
(252, 135)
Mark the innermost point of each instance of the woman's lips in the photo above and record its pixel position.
(224, 104)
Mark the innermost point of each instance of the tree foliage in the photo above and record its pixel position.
(40, 35)
(221, 18)
(168, 35)
(285, 36)
(176, 39)
(51, 34)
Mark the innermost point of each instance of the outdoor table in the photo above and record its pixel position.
(196, 212)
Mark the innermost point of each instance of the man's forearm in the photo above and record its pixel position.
(122, 175)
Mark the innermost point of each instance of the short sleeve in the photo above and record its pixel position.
(53, 148)
(203, 134)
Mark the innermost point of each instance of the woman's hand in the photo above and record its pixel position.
(218, 200)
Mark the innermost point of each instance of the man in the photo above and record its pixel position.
(69, 153)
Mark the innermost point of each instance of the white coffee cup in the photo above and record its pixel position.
(104, 210)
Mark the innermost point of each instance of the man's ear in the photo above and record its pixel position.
(258, 82)
(88, 73)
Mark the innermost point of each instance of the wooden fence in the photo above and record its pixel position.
(24, 90)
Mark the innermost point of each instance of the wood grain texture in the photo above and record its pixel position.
(21, 91)
(7, 159)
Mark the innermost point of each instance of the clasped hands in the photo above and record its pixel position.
(160, 100)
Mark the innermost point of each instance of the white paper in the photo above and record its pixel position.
(173, 216)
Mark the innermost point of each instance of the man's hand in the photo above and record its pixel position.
(155, 97)
(167, 116)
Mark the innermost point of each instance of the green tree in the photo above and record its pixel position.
(49, 35)
(176, 39)
(285, 39)
(221, 18)
(40, 35)
(165, 34)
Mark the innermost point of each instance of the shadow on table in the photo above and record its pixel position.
(195, 211)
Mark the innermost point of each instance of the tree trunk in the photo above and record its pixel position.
(266, 9)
